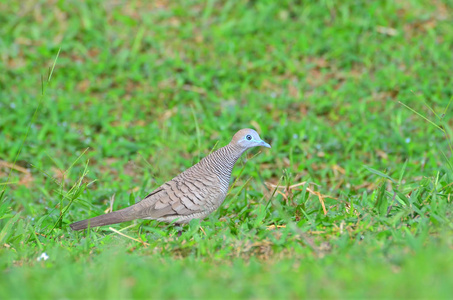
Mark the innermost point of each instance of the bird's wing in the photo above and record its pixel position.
(180, 197)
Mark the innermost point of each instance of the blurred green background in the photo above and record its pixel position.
(141, 90)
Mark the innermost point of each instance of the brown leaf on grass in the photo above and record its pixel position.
(139, 123)
(26, 179)
(133, 190)
(16, 63)
(168, 114)
(368, 185)
(194, 89)
(337, 168)
(93, 53)
(422, 26)
(387, 31)
(381, 154)
(318, 166)
(272, 227)
(83, 85)
(387, 95)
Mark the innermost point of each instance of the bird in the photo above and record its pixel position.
(193, 194)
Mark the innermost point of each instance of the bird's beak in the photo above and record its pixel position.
(264, 144)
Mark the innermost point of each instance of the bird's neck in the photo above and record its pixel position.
(229, 155)
(222, 161)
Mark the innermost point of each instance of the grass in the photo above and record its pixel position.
(353, 97)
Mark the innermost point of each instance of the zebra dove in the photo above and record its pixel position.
(193, 194)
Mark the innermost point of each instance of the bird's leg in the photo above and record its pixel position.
(179, 228)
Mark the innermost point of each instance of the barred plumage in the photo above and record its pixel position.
(195, 193)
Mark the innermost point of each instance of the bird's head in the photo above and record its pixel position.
(248, 138)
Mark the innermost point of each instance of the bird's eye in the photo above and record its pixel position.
(248, 137)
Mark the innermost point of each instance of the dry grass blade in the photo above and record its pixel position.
(195, 89)
(26, 180)
(4, 164)
(110, 208)
(129, 237)
(202, 230)
(288, 189)
(271, 227)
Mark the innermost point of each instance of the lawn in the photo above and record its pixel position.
(103, 101)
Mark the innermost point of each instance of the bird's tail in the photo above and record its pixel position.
(119, 216)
